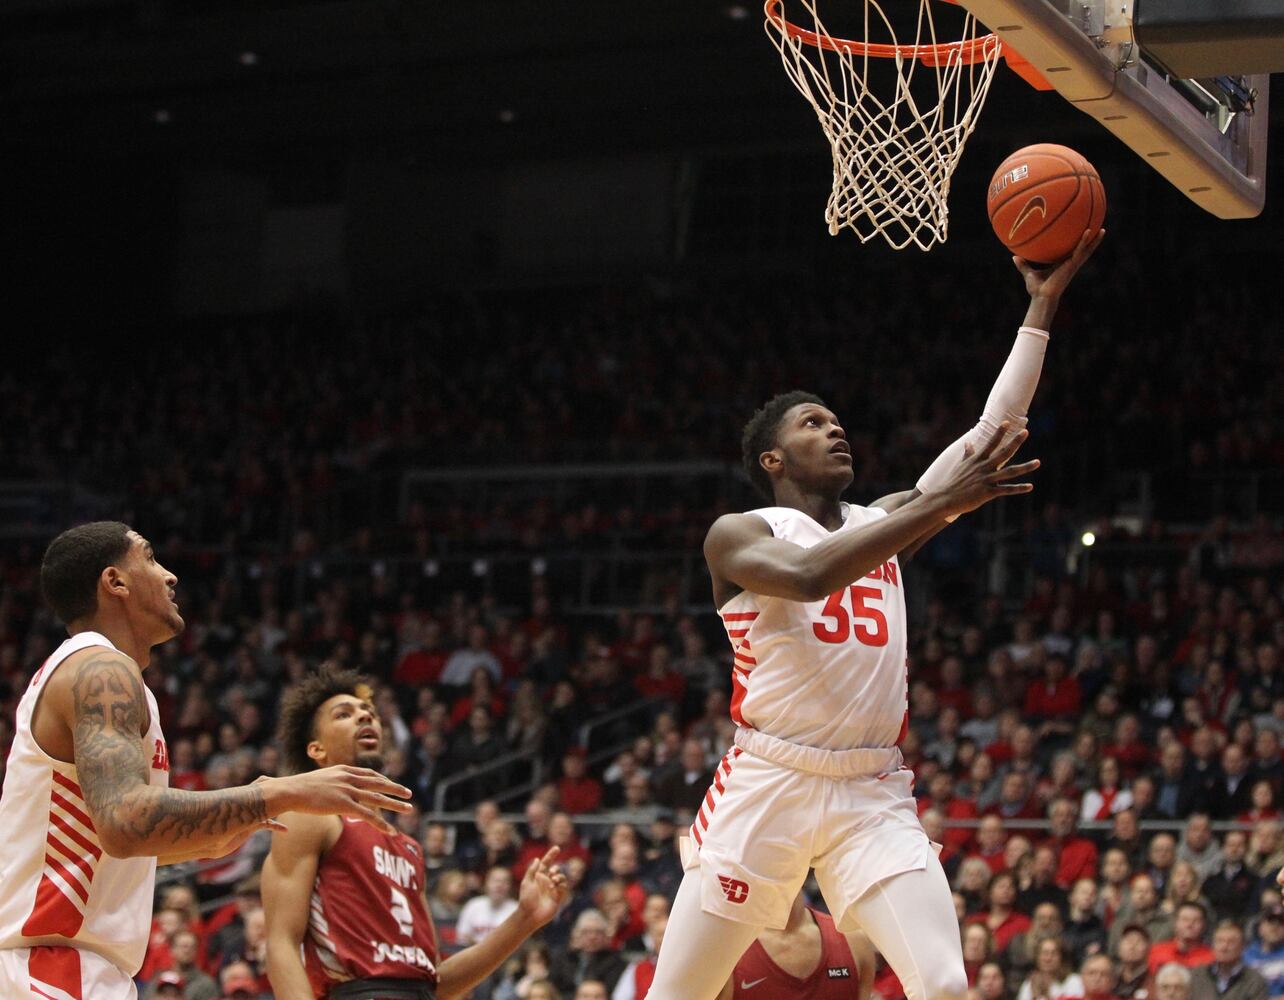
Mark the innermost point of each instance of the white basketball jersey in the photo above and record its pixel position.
(57, 885)
(829, 673)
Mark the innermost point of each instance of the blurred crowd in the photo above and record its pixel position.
(262, 431)
(1048, 738)
(1098, 752)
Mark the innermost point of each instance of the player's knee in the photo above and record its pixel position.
(946, 984)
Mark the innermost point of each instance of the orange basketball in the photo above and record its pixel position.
(1042, 200)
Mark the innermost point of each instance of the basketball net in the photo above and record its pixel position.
(893, 155)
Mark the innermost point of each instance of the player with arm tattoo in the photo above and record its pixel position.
(86, 809)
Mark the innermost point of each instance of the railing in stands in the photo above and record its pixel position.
(478, 776)
(599, 723)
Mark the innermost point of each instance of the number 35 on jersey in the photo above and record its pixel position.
(855, 613)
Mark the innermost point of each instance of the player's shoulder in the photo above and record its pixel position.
(306, 833)
(87, 673)
(730, 528)
(96, 657)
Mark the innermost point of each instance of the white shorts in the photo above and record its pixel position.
(776, 809)
(61, 973)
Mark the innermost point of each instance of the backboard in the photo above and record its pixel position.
(1120, 61)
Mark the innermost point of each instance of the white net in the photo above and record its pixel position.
(894, 152)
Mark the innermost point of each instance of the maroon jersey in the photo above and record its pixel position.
(368, 916)
(757, 977)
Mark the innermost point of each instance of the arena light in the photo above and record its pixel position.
(1089, 539)
(248, 58)
(737, 12)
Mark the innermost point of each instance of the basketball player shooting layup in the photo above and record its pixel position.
(809, 590)
(86, 811)
(347, 918)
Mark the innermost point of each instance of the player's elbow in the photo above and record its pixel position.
(118, 843)
(810, 583)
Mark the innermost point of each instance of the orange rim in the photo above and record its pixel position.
(972, 51)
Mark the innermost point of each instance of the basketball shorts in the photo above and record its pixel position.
(60, 973)
(776, 809)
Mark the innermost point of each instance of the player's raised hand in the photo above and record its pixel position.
(1051, 282)
(984, 473)
(543, 889)
(340, 790)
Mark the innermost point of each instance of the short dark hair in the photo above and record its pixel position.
(297, 725)
(760, 434)
(73, 563)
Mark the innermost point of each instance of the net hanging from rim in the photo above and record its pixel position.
(894, 154)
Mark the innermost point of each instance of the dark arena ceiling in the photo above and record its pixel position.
(485, 79)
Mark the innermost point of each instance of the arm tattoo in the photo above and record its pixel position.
(110, 705)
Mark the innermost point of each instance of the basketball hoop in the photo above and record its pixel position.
(893, 156)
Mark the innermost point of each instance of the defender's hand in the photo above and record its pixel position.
(543, 889)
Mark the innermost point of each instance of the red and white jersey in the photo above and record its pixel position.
(836, 976)
(369, 919)
(57, 885)
(831, 673)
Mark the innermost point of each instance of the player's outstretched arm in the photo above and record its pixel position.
(289, 874)
(101, 699)
(1013, 390)
(542, 892)
(741, 549)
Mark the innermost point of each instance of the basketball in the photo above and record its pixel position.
(1041, 201)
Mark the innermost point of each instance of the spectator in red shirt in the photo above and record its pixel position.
(978, 948)
(562, 835)
(1015, 800)
(1133, 754)
(990, 841)
(660, 680)
(953, 691)
(424, 659)
(1002, 919)
(1076, 856)
(536, 843)
(183, 770)
(1054, 696)
(940, 795)
(578, 791)
(1186, 947)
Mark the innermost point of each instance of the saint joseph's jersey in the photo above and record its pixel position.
(757, 977)
(57, 886)
(368, 918)
(830, 673)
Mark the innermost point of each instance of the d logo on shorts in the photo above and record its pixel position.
(735, 890)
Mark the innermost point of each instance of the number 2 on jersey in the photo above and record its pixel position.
(868, 623)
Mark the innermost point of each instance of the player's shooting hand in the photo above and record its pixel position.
(984, 473)
(543, 889)
(342, 790)
(1051, 282)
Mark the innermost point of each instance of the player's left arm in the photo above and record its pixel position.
(728, 989)
(863, 953)
(1009, 400)
(894, 501)
(222, 850)
(542, 893)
